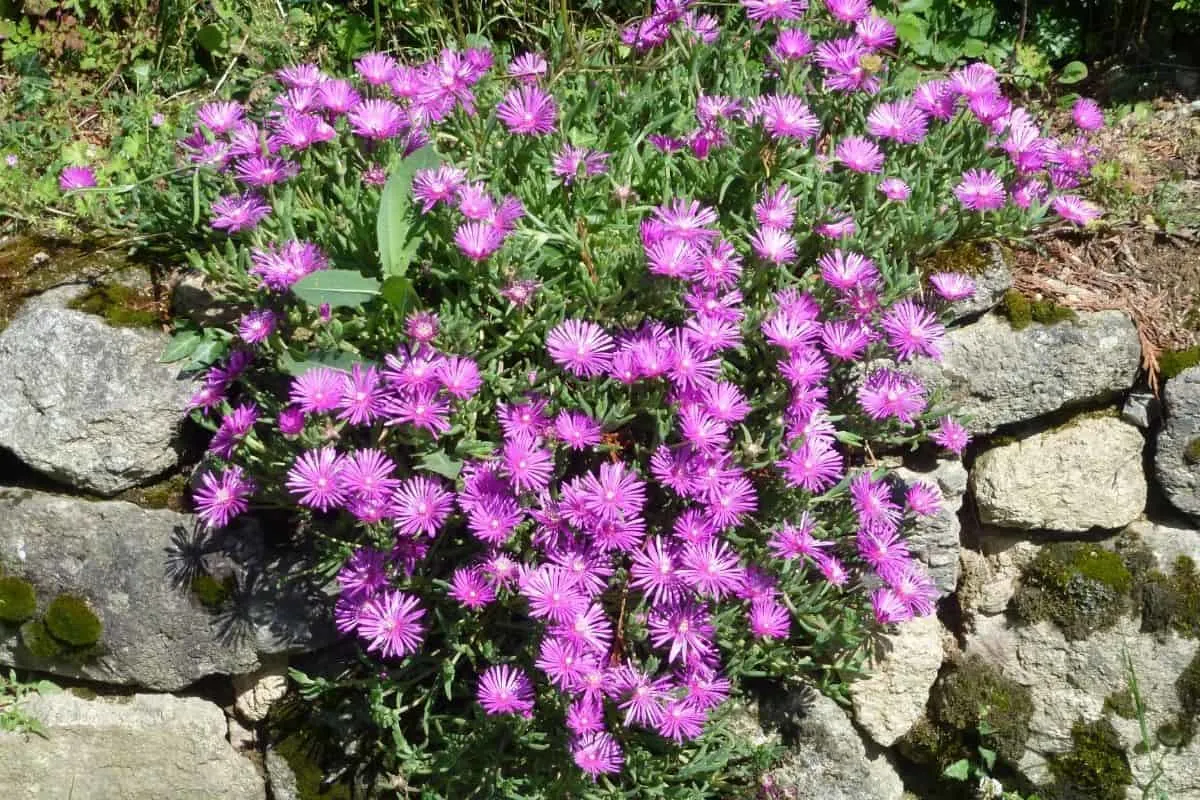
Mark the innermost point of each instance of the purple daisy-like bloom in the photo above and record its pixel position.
(234, 213)
(301, 75)
(378, 119)
(872, 502)
(337, 96)
(875, 32)
(688, 220)
(520, 293)
(887, 393)
(315, 479)
(598, 753)
(772, 10)
(841, 61)
(280, 266)
(421, 326)
(951, 435)
(774, 245)
(367, 474)
(837, 228)
(239, 422)
(300, 131)
(849, 10)
(845, 271)
(797, 541)
(528, 110)
(923, 499)
(459, 376)
(582, 348)
(222, 116)
(290, 421)
(704, 27)
(364, 574)
(221, 498)
(552, 594)
(255, 326)
(362, 397)
(585, 715)
(390, 623)
(642, 697)
(493, 518)
(1074, 208)
(302, 101)
(787, 117)
(528, 67)
(912, 331)
(377, 69)
(440, 185)
(565, 664)
(776, 209)
(615, 493)
(980, 190)
(673, 258)
(711, 569)
(859, 154)
(952, 286)
(814, 466)
(421, 505)
(792, 44)
(654, 571)
(74, 178)
(731, 502)
(570, 161)
(937, 99)
(975, 80)
(769, 619)
(900, 121)
(477, 240)
(318, 390)
(260, 171)
(725, 401)
(882, 549)
(683, 629)
(666, 144)
(915, 589)
(421, 407)
(888, 607)
(577, 430)
(471, 589)
(1087, 114)
(681, 720)
(688, 368)
(527, 465)
(895, 189)
(525, 419)
(790, 331)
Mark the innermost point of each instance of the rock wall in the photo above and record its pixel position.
(1058, 478)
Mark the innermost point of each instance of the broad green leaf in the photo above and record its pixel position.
(207, 352)
(211, 38)
(337, 359)
(340, 288)
(397, 292)
(182, 345)
(1073, 72)
(394, 225)
(989, 757)
(960, 770)
(442, 464)
(974, 48)
(916, 6)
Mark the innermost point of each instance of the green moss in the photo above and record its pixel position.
(1095, 767)
(71, 621)
(1171, 602)
(1081, 587)
(1187, 687)
(17, 600)
(1173, 362)
(966, 257)
(212, 593)
(1191, 452)
(119, 305)
(1120, 703)
(169, 493)
(38, 641)
(1022, 312)
(1049, 312)
(1175, 732)
(308, 772)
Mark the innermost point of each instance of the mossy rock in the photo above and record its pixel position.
(1187, 687)
(119, 305)
(968, 258)
(1173, 362)
(1171, 602)
(307, 771)
(1121, 703)
(1191, 452)
(71, 621)
(171, 493)
(1022, 312)
(212, 593)
(1081, 587)
(18, 601)
(36, 638)
(1095, 768)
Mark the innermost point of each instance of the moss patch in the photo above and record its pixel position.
(308, 772)
(212, 593)
(119, 305)
(965, 257)
(1173, 362)
(38, 641)
(71, 621)
(1121, 703)
(1191, 452)
(1022, 311)
(18, 602)
(171, 493)
(1095, 767)
(1081, 587)
(1171, 602)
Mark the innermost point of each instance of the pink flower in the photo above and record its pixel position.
(1087, 114)
(980, 190)
(390, 624)
(1074, 208)
(528, 110)
(859, 154)
(582, 348)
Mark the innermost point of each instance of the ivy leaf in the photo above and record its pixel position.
(441, 464)
(394, 227)
(340, 288)
(211, 38)
(182, 345)
(960, 770)
(1073, 72)
(337, 359)
(989, 757)
(397, 292)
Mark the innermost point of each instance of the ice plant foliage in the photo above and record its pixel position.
(581, 412)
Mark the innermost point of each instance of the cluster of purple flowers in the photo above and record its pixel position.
(671, 15)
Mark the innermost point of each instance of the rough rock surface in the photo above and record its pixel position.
(1085, 475)
(1177, 462)
(144, 747)
(829, 761)
(280, 777)
(998, 376)
(990, 579)
(893, 698)
(85, 403)
(134, 567)
(990, 285)
(257, 691)
(935, 540)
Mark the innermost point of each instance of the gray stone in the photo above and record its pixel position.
(1085, 475)
(1167, 542)
(144, 747)
(85, 403)
(280, 777)
(990, 285)
(990, 578)
(134, 567)
(1069, 681)
(999, 376)
(827, 759)
(1141, 409)
(901, 672)
(256, 692)
(935, 540)
(1177, 462)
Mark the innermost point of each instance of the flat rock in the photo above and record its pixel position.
(87, 404)
(1087, 474)
(1177, 461)
(144, 747)
(134, 567)
(998, 376)
(901, 673)
(935, 540)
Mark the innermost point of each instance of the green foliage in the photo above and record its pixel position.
(1095, 767)
(1187, 687)
(1171, 602)
(966, 257)
(69, 620)
(13, 719)
(1022, 312)
(119, 305)
(1081, 587)
(18, 601)
(1191, 451)
(1173, 362)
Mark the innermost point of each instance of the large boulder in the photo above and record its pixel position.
(1177, 462)
(144, 747)
(1087, 474)
(85, 403)
(934, 540)
(901, 672)
(137, 570)
(998, 376)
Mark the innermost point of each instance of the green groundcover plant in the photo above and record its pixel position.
(574, 369)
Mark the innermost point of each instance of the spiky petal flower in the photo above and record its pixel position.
(598, 753)
(315, 479)
(221, 498)
(787, 117)
(471, 589)
(390, 624)
(951, 435)
(900, 121)
(421, 505)
(233, 213)
(528, 110)
(528, 67)
(859, 154)
(318, 390)
(377, 119)
(770, 619)
(478, 240)
(577, 430)
(980, 190)
(1087, 114)
(580, 347)
(895, 189)
(912, 330)
(1074, 208)
(887, 393)
(952, 286)
(505, 690)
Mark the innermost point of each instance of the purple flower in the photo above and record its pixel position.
(980, 190)
(377, 119)
(318, 390)
(887, 393)
(666, 144)
(367, 474)
(221, 117)
(260, 171)
(975, 80)
(923, 499)
(441, 185)
(315, 479)
(815, 466)
(796, 541)
(233, 213)
(770, 10)
(774, 245)
(421, 505)
(952, 286)
(711, 569)
(597, 753)
(704, 27)
(421, 326)
(915, 588)
(74, 178)
(527, 465)
(859, 154)
(422, 408)
(301, 75)
(459, 376)
(786, 117)
(570, 160)
(338, 97)
(377, 69)
(233, 429)
(580, 347)
(291, 421)
(847, 271)
(900, 121)
(792, 44)
(1074, 208)
(841, 61)
(937, 99)
(875, 32)
(911, 331)
(528, 67)
(895, 189)
(888, 607)
(683, 629)
(299, 131)
(849, 10)
(951, 435)
(390, 624)
(255, 326)
(1088, 115)
(362, 397)
(471, 589)
(770, 619)
(280, 266)
(577, 430)
(528, 110)
(654, 571)
(221, 498)
(363, 575)
(776, 209)
(477, 240)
